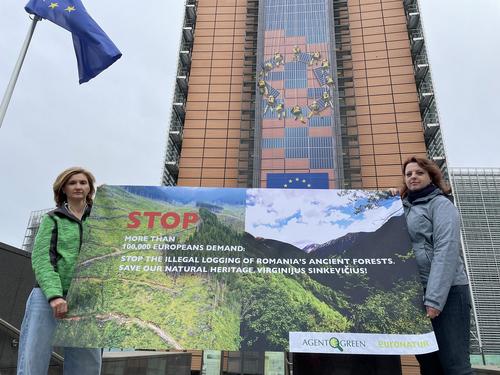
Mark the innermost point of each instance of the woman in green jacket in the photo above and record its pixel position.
(55, 252)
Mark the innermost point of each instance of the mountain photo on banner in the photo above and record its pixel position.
(94, 49)
(343, 227)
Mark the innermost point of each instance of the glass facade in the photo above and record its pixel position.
(32, 229)
(296, 90)
(477, 194)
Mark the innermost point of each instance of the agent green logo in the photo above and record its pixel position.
(335, 344)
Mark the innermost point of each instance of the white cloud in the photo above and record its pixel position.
(315, 225)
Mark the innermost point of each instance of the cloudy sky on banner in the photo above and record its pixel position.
(116, 125)
(314, 218)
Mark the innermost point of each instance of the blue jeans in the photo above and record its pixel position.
(35, 344)
(452, 330)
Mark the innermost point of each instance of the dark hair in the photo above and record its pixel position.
(430, 167)
(63, 178)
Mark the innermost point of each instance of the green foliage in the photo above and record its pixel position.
(393, 311)
(274, 304)
(138, 308)
(188, 311)
(91, 332)
(404, 257)
(334, 298)
(212, 231)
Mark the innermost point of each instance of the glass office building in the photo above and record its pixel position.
(477, 193)
(339, 90)
(32, 229)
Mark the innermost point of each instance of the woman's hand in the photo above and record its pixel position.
(432, 312)
(394, 191)
(59, 307)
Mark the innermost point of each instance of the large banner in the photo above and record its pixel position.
(324, 271)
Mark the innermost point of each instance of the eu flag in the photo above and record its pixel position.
(297, 180)
(94, 50)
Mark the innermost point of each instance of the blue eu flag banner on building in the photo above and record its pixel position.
(94, 50)
(297, 180)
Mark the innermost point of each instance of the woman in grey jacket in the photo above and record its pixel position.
(434, 228)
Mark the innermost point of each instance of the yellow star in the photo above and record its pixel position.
(304, 181)
(53, 5)
(296, 178)
(290, 181)
(308, 185)
(285, 185)
(70, 9)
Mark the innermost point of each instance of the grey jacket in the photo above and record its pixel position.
(434, 228)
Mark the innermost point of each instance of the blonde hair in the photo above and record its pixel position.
(62, 180)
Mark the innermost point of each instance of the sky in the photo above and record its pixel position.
(314, 218)
(116, 125)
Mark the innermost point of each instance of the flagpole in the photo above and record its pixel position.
(15, 74)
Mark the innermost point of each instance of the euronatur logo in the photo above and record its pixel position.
(335, 344)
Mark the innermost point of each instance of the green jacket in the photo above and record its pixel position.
(56, 249)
